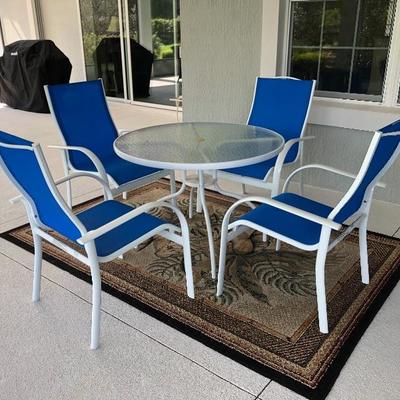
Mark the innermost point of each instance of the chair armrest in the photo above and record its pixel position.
(107, 191)
(288, 208)
(94, 234)
(325, 168)
(88, 153)
(281, 160)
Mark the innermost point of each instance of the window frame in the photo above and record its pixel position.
(391, 82)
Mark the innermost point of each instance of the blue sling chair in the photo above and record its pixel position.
(307, 224)
(281, 104)
(88, 133)
(104, 231)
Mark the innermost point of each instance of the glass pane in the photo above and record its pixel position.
(375, 22)
(368, 71)
(304, 63)
(335, 70)
(101, 44)
(306, 23)
(133, 20)
(162, 26)
(339, 23)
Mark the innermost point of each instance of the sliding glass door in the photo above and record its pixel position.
(133, 46)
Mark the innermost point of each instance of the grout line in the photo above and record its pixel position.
(137, 330)
(262, 391)
(398, 231)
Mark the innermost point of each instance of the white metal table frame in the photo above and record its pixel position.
(200, 167)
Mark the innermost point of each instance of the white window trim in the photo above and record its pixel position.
(346, 113)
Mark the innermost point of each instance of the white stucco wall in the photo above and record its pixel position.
(17, 20)
(221, 50)
(61, 23)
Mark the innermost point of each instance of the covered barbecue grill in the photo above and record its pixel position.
(25, 67)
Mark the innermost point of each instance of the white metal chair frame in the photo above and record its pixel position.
(280, 162)
(359, 220)
(39, 232)
(115, 188)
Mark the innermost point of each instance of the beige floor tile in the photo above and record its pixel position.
(219, 364)
(44, 352)
(372, 371)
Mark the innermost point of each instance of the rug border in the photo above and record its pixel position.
(326, 383)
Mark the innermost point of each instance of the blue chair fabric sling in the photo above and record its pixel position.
(281, 104)
(88, 132)
(104, 231)
(307, 224)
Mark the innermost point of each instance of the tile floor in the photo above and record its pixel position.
(44, 350)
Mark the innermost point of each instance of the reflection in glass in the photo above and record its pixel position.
(304, 63)
(368, 71)
(165, 27)
(334, 70)
(101, 33)
(339, 23)
(146, 65)
(350, 56)
(306, 25)
(375, 23)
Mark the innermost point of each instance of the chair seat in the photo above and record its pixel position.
(120, 170)
(256, 171)
(121, 236)
(287, 224)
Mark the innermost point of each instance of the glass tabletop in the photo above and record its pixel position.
(199, 145)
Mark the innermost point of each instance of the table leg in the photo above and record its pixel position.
(201, 194)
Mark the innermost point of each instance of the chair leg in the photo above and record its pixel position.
(69, 193)
(278, 245)
(172, 183)
(222, 257)
(37, 269)
(191, 203)
(243, 188)
(199, 208)
(364, 251)
(124, 195)
(96, 295)
(264, 237)
(320, 279)
(187, 259)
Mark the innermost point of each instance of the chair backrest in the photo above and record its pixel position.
(25, 165)
(382, 152)
(282, 104)
(81, 112)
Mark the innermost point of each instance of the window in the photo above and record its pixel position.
(343, 44)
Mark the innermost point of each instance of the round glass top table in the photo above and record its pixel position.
(199, 146)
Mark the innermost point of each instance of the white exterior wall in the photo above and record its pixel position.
(17, 20)
(61, 24)
(221, 51)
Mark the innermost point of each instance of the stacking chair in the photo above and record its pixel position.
(281, 104)
(88, 133)
(308, 224)
(104, 231)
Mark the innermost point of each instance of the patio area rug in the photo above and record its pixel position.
(267, 317)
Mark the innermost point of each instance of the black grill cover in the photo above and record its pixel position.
(25, 67)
